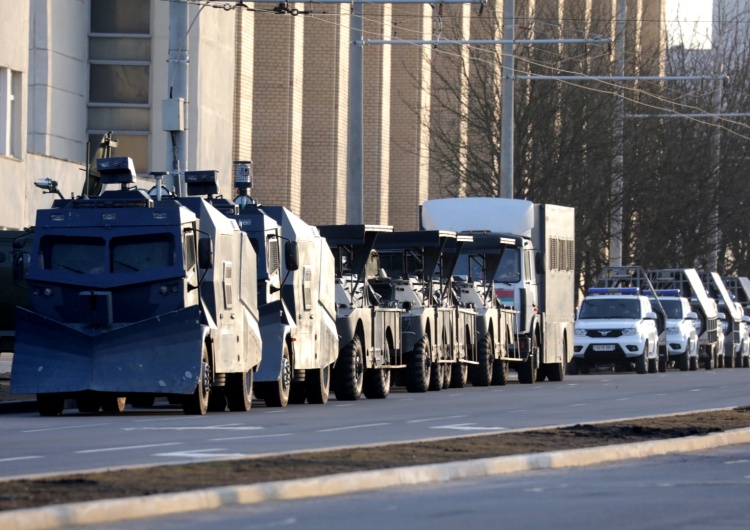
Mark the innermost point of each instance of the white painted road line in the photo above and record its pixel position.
(13, 459)
(469, 427)
(68, 427)
(226, 427)
(202, 453)
(437, 419)
(126, 448)
(365, 426)
(251, 437)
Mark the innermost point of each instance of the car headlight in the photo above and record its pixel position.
(580, 333)
(673, 331)
(629, 331)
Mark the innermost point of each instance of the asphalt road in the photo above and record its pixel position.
(34, 445)
(687, 491)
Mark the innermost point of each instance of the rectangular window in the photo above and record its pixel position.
(142, 253)
(10, 113)
(81, 255)
(121, 16)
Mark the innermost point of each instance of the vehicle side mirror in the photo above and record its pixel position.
(721, 316)
(692, 315)
(205, 253)
(291, 256)
(746, 319)
(650, 316)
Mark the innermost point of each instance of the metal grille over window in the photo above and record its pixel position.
(272, 258)
(189, 251)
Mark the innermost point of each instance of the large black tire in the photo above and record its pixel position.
(418, 367)
(88, 403)
(738, 361)
(481, 374)
(746, 362)
(113, 404)
(197, 402)
(437, 371)
(217, 401)
(527, 369)
(541, 373)
(708, 362)
(447, 374)
(459, 375)
(318, 385)
(683, 363)
(693, 364)
(728, 361)
(653, 365)
(663, 361)
(641, 363)
(500, 369)
(239, 391)
(349, 374)
(50, 404)
(377, 384)
(574, 367)
(277, 394)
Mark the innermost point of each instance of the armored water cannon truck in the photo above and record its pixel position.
(137, 298)
(536, 276)
(435, 337)
(369, 327)
(473, 279)
(739, 289)
(689, 285)
(296, 298)
(730, 318)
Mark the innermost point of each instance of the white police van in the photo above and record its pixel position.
(616, 326)
(679, 340)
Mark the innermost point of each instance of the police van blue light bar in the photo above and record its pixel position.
(613, 290)
(663, 292)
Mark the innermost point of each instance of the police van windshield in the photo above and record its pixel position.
(673, 308)
(610, 308)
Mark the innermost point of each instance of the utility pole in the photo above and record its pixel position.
(618, 141)
(173, 108)
(507, 126)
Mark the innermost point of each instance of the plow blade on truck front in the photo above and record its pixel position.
(161, 355)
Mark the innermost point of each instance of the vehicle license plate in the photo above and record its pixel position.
(604, 347)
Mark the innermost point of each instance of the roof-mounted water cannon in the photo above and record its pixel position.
(243, 181)
(116, 170)
(159, 189)
(202, 183)
(48, 185)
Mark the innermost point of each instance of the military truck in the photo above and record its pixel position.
(417, 278)
(369, 327)
(15, 247)
(296, 297)
(739, 289)
(689, 284)
(731, 322)
(137, 298)
(536, 276)
(473, 279)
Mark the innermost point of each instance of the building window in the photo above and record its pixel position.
(10, 113)
(119, 75)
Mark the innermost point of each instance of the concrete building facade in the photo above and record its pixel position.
(267, 87)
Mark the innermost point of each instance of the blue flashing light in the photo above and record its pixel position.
(613, 290)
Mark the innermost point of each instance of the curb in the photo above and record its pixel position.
(110, 511)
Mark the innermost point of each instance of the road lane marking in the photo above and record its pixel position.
(469, 427)
(743, 461)
(354, 427)
(696, 390)
(201, 453)
(126, 448)
(13, 459)
(437, 419)
(68, 427)
(252, 437)
(622, 399)
(577, 405)
(225, 427)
